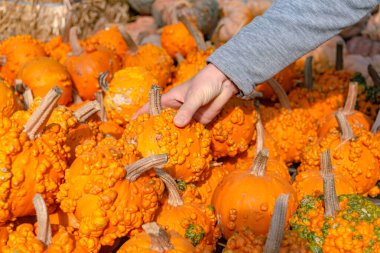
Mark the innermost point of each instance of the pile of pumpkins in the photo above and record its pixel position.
(292, 171)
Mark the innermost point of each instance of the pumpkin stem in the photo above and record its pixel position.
(329, 190)
(339, 56)
(198, 37)
(280, 92)
(3, 60)
(44, 233)
(346, 130)
(86, 111)
(277, 225)
(174, 198)
(159, 239)
(76, 98)
(137, 168)
(66, 28)
(19, 86)
(132, 46)
(374, 75)
(376, 125)
(28, 98)
(179, 57)
(155, 107)
(259, 134)
(74, 41)
(102, 110)
(352, 95)
(102, 80)
(40, 116)
(260, 163)
(308, 71)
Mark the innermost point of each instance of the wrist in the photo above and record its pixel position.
(222, 78)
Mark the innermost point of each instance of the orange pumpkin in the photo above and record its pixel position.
(85, 65)
(10, 102)
(54, 74)
(15, 52)
(247, 198)
(57, 49)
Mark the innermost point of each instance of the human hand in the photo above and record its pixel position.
(202, 97)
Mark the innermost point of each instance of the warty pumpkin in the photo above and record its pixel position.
(354, 154)
(108, 198)
(155, 239)
(278, 239)
(188, 148)
(85, 65)
(15, 52)
(331, 223)
(196, 222)
(42, 73)
(247, 198)
(57, 49)
(10, 102)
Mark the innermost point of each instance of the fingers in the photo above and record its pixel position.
(142, 110)
(187, 110)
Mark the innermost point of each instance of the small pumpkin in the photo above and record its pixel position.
(10, 102)
(57, 49)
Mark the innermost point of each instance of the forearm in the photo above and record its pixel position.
(286, 31)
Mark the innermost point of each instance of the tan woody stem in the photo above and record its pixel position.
(260, 163)
(345, 128)
(155, 107)
(280, 92)
(376, 125)
(86, 111)
(19, 86)
(308, 71)
(102, 80)
(329, 190)
(339, 56)
(201, 44)
(352, 95)
(259, 134)
(40, 116)
(374, 75)
(174, 198)
(44, 228)
(143, 165)
(28, 97)
(132, 46)
(3, 60)
(179, 57)
(277, 225)
(160, 241)
(102, 110)
(74, 41)
(76, 98)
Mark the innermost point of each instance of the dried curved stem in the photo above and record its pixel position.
(155, 107)
(330, 197)
(339, 56)
(179, 57)
(198, 37)
(345, 128)
(76, 98)
(74, 41)
(40, 116)
(280, 92)
(174, 198)
(28, 98)
(3, 60)
(44, 228)
(277, 225)
(102, 80)
(86, 111)
(19, 86)
(374, 75)
(136, 169)
(352, 95)
(132, 46)
(66, 28)
(260, 163)
(102, 110)
(308, 71)
(159, 238)
(260, 137)
(376, 125)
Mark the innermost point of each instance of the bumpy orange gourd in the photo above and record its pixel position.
(10, 103)
(23, 240)
(106, 203)
(127, 93)
(176, 39)
(57, 49)
(233, 129)
(17, 51)
(196, 222)
(42, 73)
(247, 198)
(109, 38)
(64, 241)
(85, 66)
(354, 153)
(155, 239)
(188, 147)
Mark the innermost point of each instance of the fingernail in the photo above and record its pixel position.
(179, 120)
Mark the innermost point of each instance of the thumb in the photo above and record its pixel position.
(186, 112)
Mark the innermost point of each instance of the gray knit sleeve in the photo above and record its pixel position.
(285, 32)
